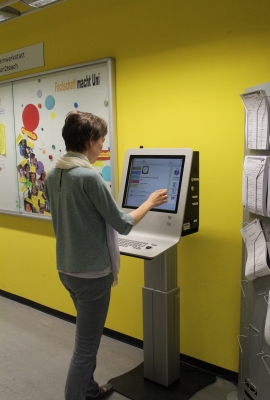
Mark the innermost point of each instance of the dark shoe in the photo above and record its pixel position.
(104, 391)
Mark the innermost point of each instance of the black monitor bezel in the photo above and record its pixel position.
(157, 156)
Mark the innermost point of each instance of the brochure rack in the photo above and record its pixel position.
(254, 354)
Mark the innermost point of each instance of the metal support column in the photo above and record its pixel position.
(161, 319)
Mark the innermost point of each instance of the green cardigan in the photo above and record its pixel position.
(80, 203)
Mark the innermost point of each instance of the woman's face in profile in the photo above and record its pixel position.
(96, 148)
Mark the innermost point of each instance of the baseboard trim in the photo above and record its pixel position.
(194, 362)
(37, 306)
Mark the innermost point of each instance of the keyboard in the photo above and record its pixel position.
(133, 243)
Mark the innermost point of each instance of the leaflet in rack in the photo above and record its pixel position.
(257, 250)
(255, 184)
(257, 107)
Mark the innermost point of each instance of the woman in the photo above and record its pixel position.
(83, 215)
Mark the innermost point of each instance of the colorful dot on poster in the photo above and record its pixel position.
(39, 94)
(106, 173)
(50, 157)
(76, 105)
(30, 117)
(53, 115)
(40, 165)
(43, 151)
(42, 129)
(39, 80)
(53, 147)
(39, 105)
(49, 102)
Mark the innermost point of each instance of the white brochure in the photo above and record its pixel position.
(257, 119)
(254, 184)
(256, 263)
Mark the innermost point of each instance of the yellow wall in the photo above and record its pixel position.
(180, 67)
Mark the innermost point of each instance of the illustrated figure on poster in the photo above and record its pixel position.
(42, 208)
(34, 191)
(41, 180)
(28, 206)
(33, 177)
(21, 171)
(23, 145)
(27, 171)
(24, 149)
(33, 160)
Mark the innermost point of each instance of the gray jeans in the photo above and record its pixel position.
(91, 298)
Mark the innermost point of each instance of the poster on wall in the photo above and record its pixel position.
(8, 173)
(40, 107)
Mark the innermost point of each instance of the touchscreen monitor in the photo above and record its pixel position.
(148, 173)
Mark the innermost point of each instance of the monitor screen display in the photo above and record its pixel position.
(149, 173)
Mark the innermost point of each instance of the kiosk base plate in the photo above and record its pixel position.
(134, 386)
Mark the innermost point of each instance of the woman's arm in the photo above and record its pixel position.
(155, 199)
(104, 203)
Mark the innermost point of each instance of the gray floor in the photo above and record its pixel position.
(35, 350)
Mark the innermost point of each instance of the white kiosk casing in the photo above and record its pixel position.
(144, 171)
(161, 228)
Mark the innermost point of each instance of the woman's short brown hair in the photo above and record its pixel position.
(80, 128)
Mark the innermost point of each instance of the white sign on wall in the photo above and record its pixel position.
(22, 59)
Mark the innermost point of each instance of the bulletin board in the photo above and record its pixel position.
(32, 113)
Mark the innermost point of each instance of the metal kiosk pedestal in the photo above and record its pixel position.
(158, 376)
(161, 319)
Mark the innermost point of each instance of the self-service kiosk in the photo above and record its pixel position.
(154, 239)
